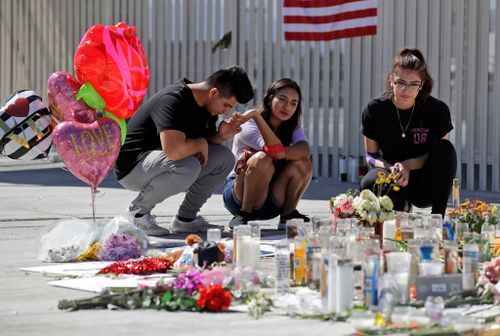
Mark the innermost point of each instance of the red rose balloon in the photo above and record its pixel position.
(112, 59)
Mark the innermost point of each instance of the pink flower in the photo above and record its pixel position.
(346, 206)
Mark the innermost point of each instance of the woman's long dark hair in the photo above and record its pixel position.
(286, 128)
(410, 59)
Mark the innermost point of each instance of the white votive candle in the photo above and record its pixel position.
(247, 251)
(389, 230)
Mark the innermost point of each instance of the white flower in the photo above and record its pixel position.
(356, 202)
(363, 214)
(375, 206)
(383, 216)
(365, 205)
(368, 195)
(386, 203)
(371, 218)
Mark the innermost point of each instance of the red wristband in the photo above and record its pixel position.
(272, 150)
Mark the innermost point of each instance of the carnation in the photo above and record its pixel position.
(189, 281)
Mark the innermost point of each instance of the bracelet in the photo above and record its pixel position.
(272, 150)
(372, 157)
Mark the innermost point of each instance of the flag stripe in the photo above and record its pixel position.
(324, 28)
(332, 35)
(328, 19)
(316, 3)
(329, 10)
(371, 12)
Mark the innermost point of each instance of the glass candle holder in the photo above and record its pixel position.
(214, 235)
(246, 247)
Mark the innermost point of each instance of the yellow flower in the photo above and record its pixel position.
(90, 253)
(396, 188)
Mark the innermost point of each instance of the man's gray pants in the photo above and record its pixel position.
(157, 177)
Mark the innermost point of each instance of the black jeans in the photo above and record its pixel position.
(428, 186)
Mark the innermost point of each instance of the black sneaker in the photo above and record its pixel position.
(292, 215)
(241, 218)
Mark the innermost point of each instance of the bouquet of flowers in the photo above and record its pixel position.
(368, 206)
(341, 205)
(371, 209)
(186, 292)
(475, 214)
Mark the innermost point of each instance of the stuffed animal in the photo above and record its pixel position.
(196, 253)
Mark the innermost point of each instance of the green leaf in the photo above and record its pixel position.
(120, 122)
(91, 97)
(166, 298)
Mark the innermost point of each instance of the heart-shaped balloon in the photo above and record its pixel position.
(62, 89)
(19, 109)
(112, 59)
(89, 151)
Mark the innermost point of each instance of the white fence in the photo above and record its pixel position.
(338, 77)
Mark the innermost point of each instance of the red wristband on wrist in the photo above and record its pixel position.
(272, 150)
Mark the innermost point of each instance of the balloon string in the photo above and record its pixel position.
(93, 192)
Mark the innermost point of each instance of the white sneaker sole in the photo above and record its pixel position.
(158, 232)
(194, 229)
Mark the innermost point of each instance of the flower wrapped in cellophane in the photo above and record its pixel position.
(365, 206)
(341, 205)
(371, 209)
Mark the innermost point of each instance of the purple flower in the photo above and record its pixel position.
(120, 247)
(228, 255)
(189, 281)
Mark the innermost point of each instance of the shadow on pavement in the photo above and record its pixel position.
(61, 177)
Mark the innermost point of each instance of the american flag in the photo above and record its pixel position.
(316, 20)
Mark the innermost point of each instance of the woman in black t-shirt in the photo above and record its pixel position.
(406, 131)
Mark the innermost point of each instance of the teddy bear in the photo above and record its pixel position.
(196, 253)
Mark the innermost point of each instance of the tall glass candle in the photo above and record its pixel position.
(247, 248)
(282, 267)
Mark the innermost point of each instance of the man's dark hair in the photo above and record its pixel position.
(232, 82)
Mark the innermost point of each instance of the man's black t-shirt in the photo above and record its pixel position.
(173, 108)
(431, 120)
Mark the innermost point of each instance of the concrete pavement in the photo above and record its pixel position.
(34, 195)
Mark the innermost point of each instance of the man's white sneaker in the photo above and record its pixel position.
(199, 224)
(149, 225)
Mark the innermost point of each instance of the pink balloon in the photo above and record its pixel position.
(61, 90)
(89, 151)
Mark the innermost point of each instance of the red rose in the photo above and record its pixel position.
(214, 298)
